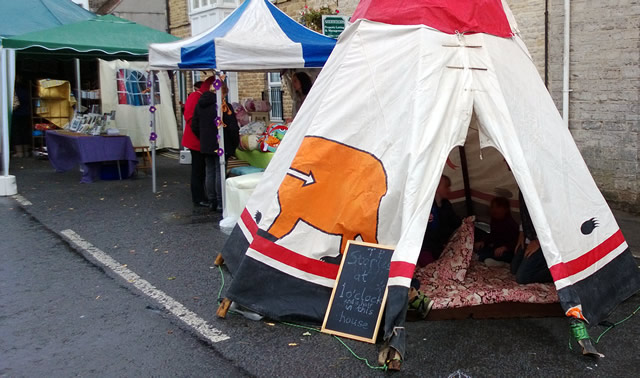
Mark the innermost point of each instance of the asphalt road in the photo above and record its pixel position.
(161, 238)
(62, 316)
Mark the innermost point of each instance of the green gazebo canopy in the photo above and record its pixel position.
(108, 35)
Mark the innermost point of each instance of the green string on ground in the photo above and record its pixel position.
(384, 367)
(616, 324)
(579, 330)
(366, 361)
(222, 283)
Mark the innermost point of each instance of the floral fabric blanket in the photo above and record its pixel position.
(455, 280)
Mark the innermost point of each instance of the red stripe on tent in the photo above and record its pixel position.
(401, 269)
(564, 270)
(293, 259)
(248, 221)
(464, 16)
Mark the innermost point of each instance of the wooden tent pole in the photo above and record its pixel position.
(465, 179)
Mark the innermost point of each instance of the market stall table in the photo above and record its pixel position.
(66, 150)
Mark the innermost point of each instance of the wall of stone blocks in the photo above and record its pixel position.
(604, 113)
(151, 13)
(293, 7)
(604, 110)
(179, 26)
(251, 85)
(530, 18)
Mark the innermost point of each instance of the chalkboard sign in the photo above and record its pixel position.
(360, 292)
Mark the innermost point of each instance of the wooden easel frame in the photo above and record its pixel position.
(335, 287)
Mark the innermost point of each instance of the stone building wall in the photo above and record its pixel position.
(604, 102)
(604, 106)
(180, 26)
(151, 13)
(530, 18)
(251, 85)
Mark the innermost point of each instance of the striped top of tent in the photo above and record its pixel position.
(256, 36)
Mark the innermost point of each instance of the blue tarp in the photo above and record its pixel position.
(25, 16)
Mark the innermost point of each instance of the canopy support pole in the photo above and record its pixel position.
(78, 85)
(223, 172)
(465, 179)
(152, 140)
(182, 88)
(8, 185)
(5, 112)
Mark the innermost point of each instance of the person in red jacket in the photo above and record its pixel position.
(190, 141)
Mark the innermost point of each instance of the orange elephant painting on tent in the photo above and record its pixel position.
(334, 188)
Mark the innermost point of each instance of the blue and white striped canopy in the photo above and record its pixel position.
(256, 36)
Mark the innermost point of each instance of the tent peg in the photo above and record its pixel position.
(223, 308)
(581, 335)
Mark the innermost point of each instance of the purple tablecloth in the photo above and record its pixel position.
(66, 152)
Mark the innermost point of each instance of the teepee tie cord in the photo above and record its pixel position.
(579, 330)
(384, 367)
(617, 323)
(310, 329)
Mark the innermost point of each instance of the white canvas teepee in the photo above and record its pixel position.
(363, 158)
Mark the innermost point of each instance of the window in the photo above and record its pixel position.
(132, 88)
(275, 95)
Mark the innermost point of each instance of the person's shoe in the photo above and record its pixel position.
(422, 304)
(215, 207)
(202, 204)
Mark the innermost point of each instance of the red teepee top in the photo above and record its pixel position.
(448, 16)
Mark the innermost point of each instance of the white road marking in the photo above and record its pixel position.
(21, 200)
(190, 318)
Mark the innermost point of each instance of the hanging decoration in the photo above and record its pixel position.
(217, 85)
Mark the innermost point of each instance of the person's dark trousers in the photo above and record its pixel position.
(213, 180)
(487, 252)
(198, 174)
(530, 269)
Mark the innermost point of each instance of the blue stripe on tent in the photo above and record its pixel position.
(202, 52)
(316, 48)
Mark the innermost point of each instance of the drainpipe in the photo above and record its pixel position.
(565, 62)
(546, 44)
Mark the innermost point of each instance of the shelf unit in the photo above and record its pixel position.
(40, 106)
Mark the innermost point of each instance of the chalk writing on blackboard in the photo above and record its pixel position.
(360, 292)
